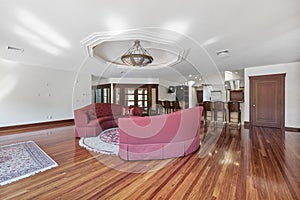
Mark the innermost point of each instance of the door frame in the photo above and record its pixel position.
(281, 115)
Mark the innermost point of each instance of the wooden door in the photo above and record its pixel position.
(200, 96)
(267, 100)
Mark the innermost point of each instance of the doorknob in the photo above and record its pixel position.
(253, 105)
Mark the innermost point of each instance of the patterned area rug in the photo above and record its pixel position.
(21, 160)
(107, 142)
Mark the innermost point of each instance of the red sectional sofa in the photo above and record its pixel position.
(160, 137)
(92, 119)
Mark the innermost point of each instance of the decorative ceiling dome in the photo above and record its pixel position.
(163, 45)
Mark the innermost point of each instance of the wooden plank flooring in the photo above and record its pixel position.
(260, 163)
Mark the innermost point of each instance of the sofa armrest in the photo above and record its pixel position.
(80, 117)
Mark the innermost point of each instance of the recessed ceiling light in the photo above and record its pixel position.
(11, 48)
(222, 53)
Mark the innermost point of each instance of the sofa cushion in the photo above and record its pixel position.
(91, 114)
(135, 111)
(105, 118)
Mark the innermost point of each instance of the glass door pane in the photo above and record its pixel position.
(129, 96)
(143, 99)
(106, 95)
(102, 93)
(136, 95)
(98, 95)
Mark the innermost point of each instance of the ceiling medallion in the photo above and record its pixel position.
(137, 56)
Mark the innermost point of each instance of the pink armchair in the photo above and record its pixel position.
(160, 137)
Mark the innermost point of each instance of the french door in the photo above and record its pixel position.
(101, 93)
(143, 96)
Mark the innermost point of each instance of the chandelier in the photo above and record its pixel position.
(137, 56)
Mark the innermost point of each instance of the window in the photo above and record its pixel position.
(129, 97)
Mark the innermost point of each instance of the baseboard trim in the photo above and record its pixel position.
(246, 124)
(35, 126)
(291, 129)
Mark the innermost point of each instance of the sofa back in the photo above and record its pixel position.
(160, 137)
(83, 115)
(107, 109)
(177, 126)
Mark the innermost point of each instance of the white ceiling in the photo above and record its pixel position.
(51, 31)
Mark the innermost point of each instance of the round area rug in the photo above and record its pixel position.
(107, 142)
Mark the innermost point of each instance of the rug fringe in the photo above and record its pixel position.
(95, 150)
(26, 175)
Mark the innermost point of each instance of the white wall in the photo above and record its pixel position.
(292, 91)
(231, 76)
(164, 95)
(30, 94)
(82, 85)
(215, 83)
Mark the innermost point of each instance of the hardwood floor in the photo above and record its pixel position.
(260, 163)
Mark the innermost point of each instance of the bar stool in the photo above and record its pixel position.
(234, 107)
(208, 107)
(159, 107)
(176, 105)
(167, 106)
(219, 108)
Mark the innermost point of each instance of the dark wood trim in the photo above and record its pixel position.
(237, 95)
(148, 87)
(292, 129)
(101, 88)
(6, 130)
(246, 124)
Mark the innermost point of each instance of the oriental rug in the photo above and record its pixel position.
(22, 160)
(107, 142)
